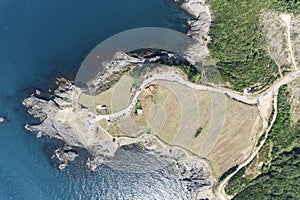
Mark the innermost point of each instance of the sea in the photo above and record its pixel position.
(42, 39)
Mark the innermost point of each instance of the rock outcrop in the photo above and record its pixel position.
(62, 117)
(47, 111)
(113, 71)
(199, 28)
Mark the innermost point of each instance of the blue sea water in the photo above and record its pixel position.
(40, 39)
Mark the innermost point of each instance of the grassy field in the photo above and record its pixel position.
(161, 113)
(189, 112)
(173, 120)
(121, 94)
(129, 126)
(158, 117)
(237, 138)
(238, 45)
(280, 175)
(204, 101)
(91, 101)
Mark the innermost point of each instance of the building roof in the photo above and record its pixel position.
(152, 88)
(139, 111)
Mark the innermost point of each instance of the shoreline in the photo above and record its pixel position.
(105, 146)
(198, 28)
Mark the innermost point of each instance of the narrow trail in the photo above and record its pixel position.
(221, 194)
(256, 99)
(287, 19)
(250, 100)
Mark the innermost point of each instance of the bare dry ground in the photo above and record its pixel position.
(130, 127)
(275, 30)
(295, 38)
(238, 136)
(294, 89)
(158, 116)
(122, 93)
(189, 112)
(91, 101)
(204, 101)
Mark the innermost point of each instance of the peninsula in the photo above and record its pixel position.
(212, 127)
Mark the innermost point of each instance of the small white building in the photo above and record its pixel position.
(139, 111)
(102, 109)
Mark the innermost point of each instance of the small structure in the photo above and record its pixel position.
(247, 90)
(139, 111)
(109, 122)
(133, 91)
(101, 109)
(151, 89)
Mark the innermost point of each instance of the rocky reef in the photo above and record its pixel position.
(65, 155)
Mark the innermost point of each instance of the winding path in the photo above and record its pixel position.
(251, 100)
(247, 99)
(221, 194)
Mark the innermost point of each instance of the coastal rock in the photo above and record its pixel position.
(194, 7)
(113, 71)
(199, 28)
(61, 116)
(66, 155)
(47, 111)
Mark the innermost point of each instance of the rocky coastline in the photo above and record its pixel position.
(199, 28)
(194, 171)
(195, 54)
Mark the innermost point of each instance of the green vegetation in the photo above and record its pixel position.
(198, 131)
(238, 45)
(291, 6)
(138, 105)
(280, 177)
(138, 73)
(237, 182)
(228, 172)
(192, 73)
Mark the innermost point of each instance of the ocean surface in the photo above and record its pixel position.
(41, 39)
